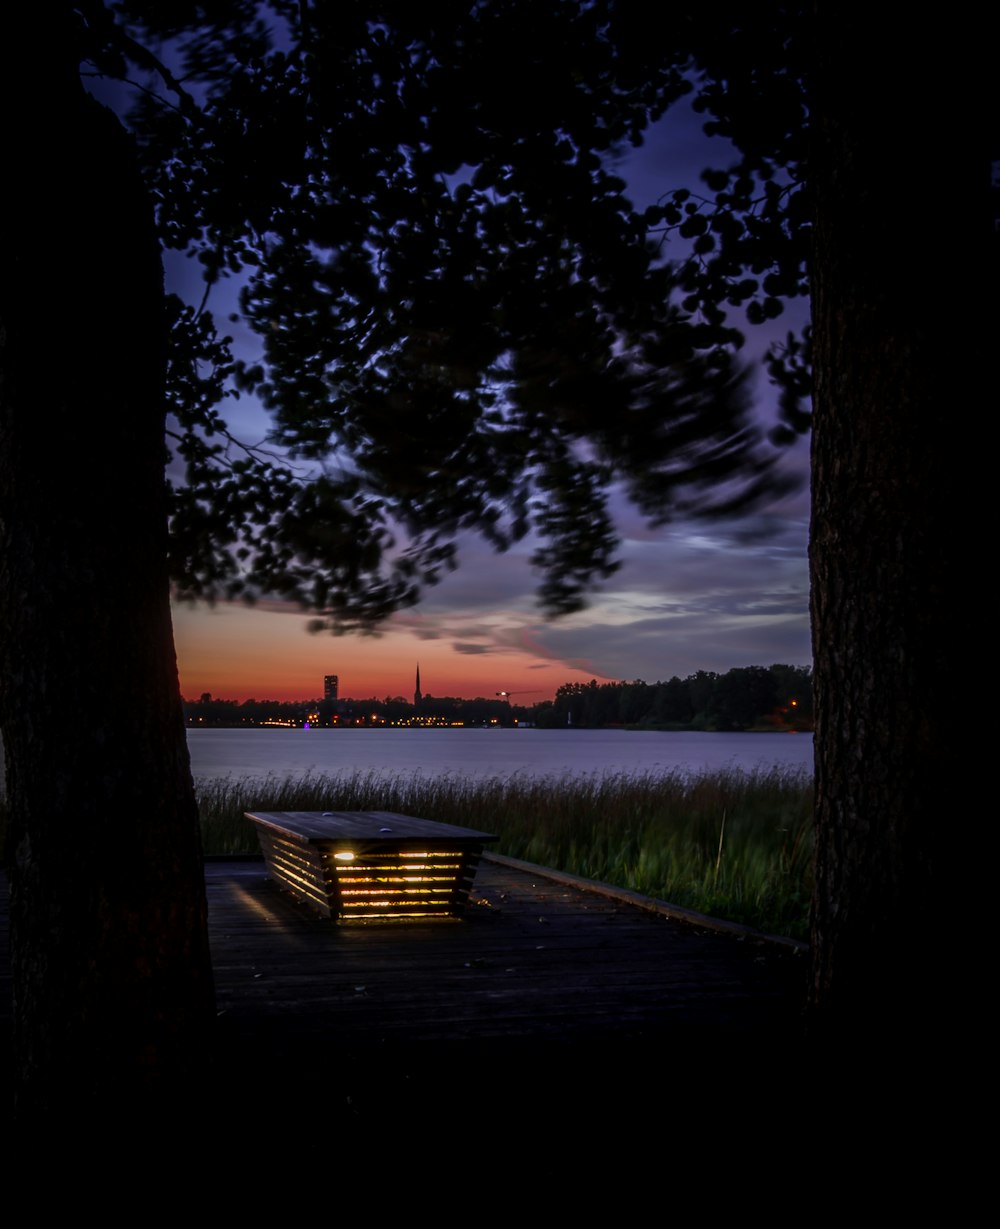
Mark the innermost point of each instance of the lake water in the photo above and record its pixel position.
(479, 753)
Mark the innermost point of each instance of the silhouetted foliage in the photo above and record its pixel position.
(462, 325)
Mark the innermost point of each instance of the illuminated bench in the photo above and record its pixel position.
(370, 864)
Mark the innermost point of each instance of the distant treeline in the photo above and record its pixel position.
(774, 697)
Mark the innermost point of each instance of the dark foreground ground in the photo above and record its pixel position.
(545, 994)
(602, 1051)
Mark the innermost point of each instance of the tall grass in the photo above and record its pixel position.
(733, 843)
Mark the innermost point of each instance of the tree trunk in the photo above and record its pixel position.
(900, 237)
(112, 976)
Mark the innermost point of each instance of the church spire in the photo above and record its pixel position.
(417, 697)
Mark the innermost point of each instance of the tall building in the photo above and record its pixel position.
(331, 683)
(417, 697)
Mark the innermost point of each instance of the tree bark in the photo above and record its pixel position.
(112, 975)
(901, 212)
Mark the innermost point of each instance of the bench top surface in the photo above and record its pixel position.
(388, 826)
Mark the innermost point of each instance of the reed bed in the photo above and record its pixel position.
(735, 844)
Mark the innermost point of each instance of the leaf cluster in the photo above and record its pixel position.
(750, 235)
(461, 323)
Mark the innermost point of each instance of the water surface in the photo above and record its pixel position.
(479, 753)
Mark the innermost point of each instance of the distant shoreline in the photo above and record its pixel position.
(454, 725)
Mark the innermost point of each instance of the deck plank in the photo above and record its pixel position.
(532, 957)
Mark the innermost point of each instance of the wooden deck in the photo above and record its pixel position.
(533, 959)
(544, 990)
(557, 1036)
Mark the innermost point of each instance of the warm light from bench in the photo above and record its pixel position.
(308, 854)
(397, 882)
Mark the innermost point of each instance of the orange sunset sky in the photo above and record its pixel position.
(238, 653)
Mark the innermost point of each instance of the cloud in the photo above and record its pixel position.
(657, 648)
(695, 596)
(689, 596)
